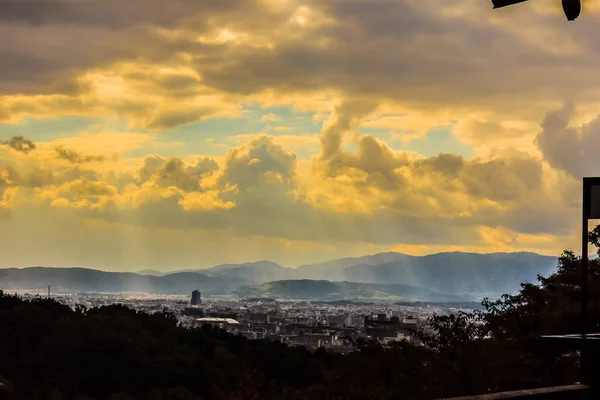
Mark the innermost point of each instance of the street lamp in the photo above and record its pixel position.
(572, 8)
(591, 210)
(589, 343)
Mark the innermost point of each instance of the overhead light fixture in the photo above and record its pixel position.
(572, 8)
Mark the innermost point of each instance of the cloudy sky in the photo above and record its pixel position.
(151, 134)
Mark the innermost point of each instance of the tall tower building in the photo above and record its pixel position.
(196, 299)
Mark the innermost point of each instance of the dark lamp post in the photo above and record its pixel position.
(589, 342)
(590, 210)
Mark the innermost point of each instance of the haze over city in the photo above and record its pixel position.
(189, 134)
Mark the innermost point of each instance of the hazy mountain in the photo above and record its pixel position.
(334, 270)
(484, 274)
(152, 272)
(254, 273)
(326, 290)
(458, 272)
(89, 280)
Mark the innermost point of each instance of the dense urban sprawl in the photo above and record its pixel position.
(333, 326)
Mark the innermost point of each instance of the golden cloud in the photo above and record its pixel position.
(445, 61)
(375, 195)
(206, 201)
(146, 95)
(357, 64)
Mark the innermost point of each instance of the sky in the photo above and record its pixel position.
(184, 134)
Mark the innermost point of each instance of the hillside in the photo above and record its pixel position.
(152, 272)
(253, 273)
(89, 280)
(334, 270)
(458, 272)
(328, 291)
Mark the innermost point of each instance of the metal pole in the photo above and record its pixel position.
(584, 278)
(584, 258)
(584, 363)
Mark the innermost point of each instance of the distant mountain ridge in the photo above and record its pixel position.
(334, 269)
(306, 289)
(458, 272)
(253, 272)
(449, 272)
(455, 273)
(91, 280)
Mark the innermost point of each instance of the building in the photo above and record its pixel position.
(258, 318)
(337, 321)
(380, 327)
(193, 312)
(230, 325)
(196, 299)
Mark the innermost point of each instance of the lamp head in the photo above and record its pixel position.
(572, 9)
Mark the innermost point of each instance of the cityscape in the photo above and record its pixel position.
(333, 326)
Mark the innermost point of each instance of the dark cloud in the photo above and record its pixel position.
(348, 117)
(173, 118)
(65, 175)
(422, 59)
(39, 54)
(571, 149)
(204, 165)
(38, 176)
(450, 164)
(249, 165)
(407, 51)
(512, 177)
(175, 172)
(76, 158)
(83, 188)
(404, 50)
(112, 14)
(19, 143)
(151, 166)
(372, 157)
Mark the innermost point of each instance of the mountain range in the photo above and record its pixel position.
(451, 276)
(306, 289)
(443, 272)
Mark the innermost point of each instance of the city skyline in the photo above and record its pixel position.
(197, 134)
